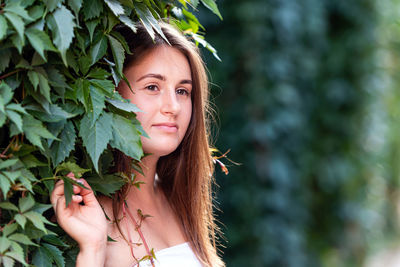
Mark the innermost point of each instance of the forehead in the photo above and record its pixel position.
(165, 60)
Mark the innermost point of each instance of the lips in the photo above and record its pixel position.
(167, 127)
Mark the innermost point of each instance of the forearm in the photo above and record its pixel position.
(91, 257)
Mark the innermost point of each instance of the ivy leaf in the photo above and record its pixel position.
(98, 50)
(15, 118)
(107, 185)
(5, 185)
(115, 7)
(17, 23)
(26, 203)
(3, 27)
(16, 8)
(97, 103)
(148, 21)
(56, 254)
(8, 206)
(39, 40)
(5, 56)
(211, 5)
(118, 53)
(125, 106)
(62, 26)
(128, 22)
(44, 85)
(42, 257)
(9, 229)
(61, 149)
(34, 130)
(126, 137)
(37, 219)
(21, 220)
(21, 238)
(71, 167)
(53, 239)
(96, 138)
(75, 6)
(68, 190)
(92, 8)
(17, 255)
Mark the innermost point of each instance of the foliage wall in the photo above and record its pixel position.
(295, 91)
(60, 62)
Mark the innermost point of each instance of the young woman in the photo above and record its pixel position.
(169, 85)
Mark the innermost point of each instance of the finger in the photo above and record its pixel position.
(87, 194)
(71, 175)
(77, 198)
(58, 191)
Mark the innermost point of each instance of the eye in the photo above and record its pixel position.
(151, 87)
(182, 91)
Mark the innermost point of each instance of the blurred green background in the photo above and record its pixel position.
(309, 103)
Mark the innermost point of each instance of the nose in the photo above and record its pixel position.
(170, 103)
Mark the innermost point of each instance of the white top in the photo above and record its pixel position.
(176, 256)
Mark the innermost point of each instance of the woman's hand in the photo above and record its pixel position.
(86, 223)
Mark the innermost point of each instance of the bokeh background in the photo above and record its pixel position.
(309, 103)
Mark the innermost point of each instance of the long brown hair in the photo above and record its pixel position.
(186, 175)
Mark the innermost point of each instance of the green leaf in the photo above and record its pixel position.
(42, 257)
(5, 185)
(17, 255)
(8, 206)
(9, 229)
(15, 118)
(5, 56)
(37, 220)
(44, 85)
(97, 103)
(34, 130)
(125, 106)
(118, 53)
(16, 8)
(7, 261)
(53, 239)
(98, 50)
(128, 22)
(16, 107)
(91, 26)
(68, 167)
(92, 8)
(26, 203)
(98, 73)
(4, 244)
(21, 238)
(56, 254)
(6, 92)
(21, 220)
(39, 40)
(126, 137)
(17, 23)
(52, 4)
(107, 185)
(3, 27)
(7, 163)
(96, 138)
(149, 21)
(33, 78)
(75, 5)
(18, 42)
(68, 190)
(115, 7)
(211, 5)
(61, 149)
(62, 26)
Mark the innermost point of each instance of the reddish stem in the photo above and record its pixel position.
(137, 227)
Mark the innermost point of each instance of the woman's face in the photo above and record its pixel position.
(161, 81)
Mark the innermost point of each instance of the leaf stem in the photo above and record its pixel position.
(9, 74)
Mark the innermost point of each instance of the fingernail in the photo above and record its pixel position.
(79, 181)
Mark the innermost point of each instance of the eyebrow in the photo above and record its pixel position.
(162, 78)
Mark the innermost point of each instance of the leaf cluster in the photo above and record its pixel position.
(60, 62)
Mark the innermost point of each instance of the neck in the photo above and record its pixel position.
(148, 191)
